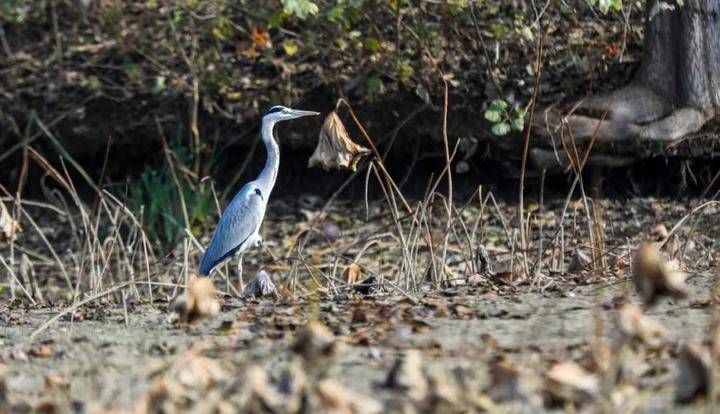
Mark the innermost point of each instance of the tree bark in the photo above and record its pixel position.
(675, 91)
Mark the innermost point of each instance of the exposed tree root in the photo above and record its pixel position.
(632, 115)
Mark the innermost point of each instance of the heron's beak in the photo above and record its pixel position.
(297, 113)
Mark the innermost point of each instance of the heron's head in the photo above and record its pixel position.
(281, 113)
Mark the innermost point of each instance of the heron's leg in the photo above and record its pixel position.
(240, 271)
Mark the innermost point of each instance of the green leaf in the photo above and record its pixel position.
(374, 85)
(372, 44)
(501, 129)
(493, 116)
(404, 71)
(518, 124)
(300, 8)
(498, 105)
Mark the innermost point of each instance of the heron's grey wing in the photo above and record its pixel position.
(239, 221)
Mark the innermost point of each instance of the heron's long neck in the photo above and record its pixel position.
(266, 179)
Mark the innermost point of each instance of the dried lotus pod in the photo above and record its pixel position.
(335, 149)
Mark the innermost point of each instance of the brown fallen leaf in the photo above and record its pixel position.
(259, 286)
(659, 232)
(315, 343)
(57, 382)
(653, 276)
(352, 274)
(198, 302)
(626, 399)
(335, 149)
(693, 372)
(187, 380)
(42, 351)
(569, 382)
(9, 227)
(580, 261)
(636, 327)
(510, 382)
(407, 375)
(334, 398)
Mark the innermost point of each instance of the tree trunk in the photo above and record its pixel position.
(682, 55)
(674, 93)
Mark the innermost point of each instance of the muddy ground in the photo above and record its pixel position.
(111, 355)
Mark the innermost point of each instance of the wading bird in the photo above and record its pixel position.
(240, 222)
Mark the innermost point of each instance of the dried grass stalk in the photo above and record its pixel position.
(335, 149)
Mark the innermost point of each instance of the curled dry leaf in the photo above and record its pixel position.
(57, 382)
(335, 149)
(198, 302)
(315, 343)
(568, 381)
(9, 227)
(634, 326)
(654, 277)
(334, 398)
(580, 261)
(352, 274)
(693, 372)
(187, 379)
(260, 285)
(407, 375)
(510, 382)
(626, 399)
(659, 232)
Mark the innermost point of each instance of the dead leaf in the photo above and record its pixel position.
(9, 227)
(407, 375)
(352, 274)
(580, 261)
(198, 302)
(367, 286)
(568, 381)
(693, 372)
(659, 232)
(260, 38)
(634, 326)
(42, 351)
(653, 276)
(315, 343)
(510, 382)
(334, 398)
(626, 399)
(57, 382)
(335, 149)
(259, 286)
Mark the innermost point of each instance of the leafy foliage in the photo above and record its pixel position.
(503, 118)
(158, 200)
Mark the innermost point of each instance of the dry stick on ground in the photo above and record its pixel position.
(526, 148)
(75, 306)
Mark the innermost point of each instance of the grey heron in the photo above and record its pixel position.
(239, 224)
